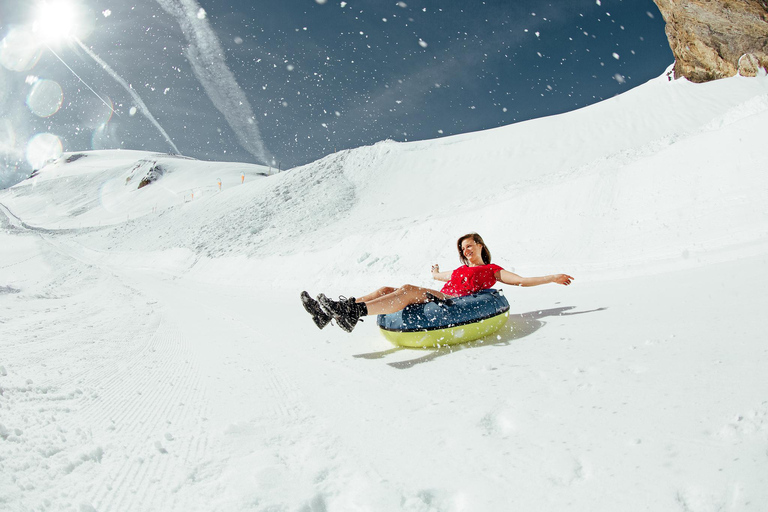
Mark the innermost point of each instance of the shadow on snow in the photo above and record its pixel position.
(517, 327)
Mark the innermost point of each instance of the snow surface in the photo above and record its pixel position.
(154, 354)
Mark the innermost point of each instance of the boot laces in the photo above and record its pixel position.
(350, 301)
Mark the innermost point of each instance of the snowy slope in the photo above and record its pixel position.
(93, 188)
(155, 356)
(603, 187)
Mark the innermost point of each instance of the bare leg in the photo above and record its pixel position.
(398, 299)
(381, 292)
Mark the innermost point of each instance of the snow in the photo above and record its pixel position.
(154, 354)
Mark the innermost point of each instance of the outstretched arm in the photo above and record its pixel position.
(507, 277)
(441, 276)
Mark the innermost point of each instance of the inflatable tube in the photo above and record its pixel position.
(435, 324)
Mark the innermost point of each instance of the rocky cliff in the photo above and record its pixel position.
(714, 39)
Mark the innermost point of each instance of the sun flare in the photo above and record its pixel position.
(55, 20)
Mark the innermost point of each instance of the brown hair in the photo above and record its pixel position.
(485, 253)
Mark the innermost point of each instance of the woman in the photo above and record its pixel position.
(477, 273)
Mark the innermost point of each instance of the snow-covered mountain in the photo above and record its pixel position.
(155, 355)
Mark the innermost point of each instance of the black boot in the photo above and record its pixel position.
(320, 317)
(345, 311)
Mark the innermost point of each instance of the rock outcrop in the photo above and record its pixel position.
(147, 171)
(713, 39)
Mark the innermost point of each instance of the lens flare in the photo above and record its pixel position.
(43, 148)
(19, 50)
(54, 20)
(45, 98)
(59, 20)
(7, 137)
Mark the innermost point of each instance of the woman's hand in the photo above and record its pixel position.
(563, 279)
(440, 276)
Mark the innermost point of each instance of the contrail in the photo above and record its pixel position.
(206, 56)
(143, 108)
(83, 81)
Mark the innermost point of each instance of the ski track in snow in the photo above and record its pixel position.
(139, 409)
(131, 392)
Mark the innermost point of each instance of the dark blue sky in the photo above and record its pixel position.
(320, 77)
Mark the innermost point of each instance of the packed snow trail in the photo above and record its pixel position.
(195, 396)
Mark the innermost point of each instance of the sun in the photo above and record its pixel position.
(56, 20)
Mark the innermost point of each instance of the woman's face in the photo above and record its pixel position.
(472, 251)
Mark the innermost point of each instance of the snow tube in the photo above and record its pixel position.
(434, 324)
